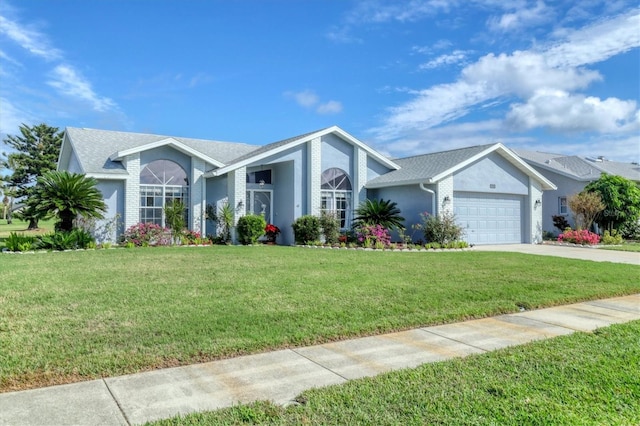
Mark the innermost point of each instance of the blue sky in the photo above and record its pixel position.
(407, 77)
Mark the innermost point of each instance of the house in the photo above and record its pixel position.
(488, 187)
(571, 173)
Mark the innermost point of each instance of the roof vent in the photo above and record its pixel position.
(601, 158)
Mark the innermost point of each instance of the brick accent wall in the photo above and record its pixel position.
(132, 191)
(444, 189)
(360, 178)
(314, 163)
(197, 199)
(535, 212)
(237, 189)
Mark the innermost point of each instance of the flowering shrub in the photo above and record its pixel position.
(441, 229)
(581, 236)
(271, 231)
(373, 235)
(193, 237)
(146, 234)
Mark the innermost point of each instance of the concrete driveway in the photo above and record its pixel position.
(584, 253)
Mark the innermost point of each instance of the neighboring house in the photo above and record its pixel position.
(571, 173)
(493, 192)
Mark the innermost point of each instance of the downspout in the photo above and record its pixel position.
(433, 198)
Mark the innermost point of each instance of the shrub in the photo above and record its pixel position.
(250, 228)
(378, 212)
(146, 234)
(560, 222)
(306, 228)
(174, 213)
(630, 230)
(441, 229)
(192, 237)
(65, 240)
(610, 238)
(330, 227)
(581, 236)
(373, 235)
(19, 242)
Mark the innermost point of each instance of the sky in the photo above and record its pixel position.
(406, 77)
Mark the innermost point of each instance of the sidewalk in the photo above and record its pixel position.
(281, 375)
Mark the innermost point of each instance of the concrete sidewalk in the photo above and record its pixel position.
(281, 375)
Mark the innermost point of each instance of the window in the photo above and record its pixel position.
(336, 195)
(161, 182)
(263, 176)
(562, 205)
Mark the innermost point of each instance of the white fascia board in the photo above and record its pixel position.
(426, 181)
(67, 144)
(120, 155)
(108, 176)
(294, 143)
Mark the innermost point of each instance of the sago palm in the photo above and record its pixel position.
(67, 196)
(379, 212)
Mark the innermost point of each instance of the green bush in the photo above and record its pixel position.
(19, 242)
(330, 227)
(611, 238)
(65, 240)
(306, 228)
(441, 229)
(250, 228)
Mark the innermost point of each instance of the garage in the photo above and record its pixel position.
(489, 218)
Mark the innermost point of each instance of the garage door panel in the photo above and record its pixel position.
(489, 218)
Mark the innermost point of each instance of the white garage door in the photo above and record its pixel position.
(489, 218)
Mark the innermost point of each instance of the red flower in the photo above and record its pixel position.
(271, 230)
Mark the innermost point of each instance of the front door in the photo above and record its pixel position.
(259, 201)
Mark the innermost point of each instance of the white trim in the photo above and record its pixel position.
(108, 176)
(120, 155)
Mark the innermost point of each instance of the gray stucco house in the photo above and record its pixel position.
(571, 173)
(495, 195)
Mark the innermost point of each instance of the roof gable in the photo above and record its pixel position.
(283, 145)
(121, 155)
(430, 168)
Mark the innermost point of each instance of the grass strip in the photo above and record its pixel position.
(581, 379)
(74, 316)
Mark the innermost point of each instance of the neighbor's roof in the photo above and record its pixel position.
(98, 151)
(430, 168)
(579, 168)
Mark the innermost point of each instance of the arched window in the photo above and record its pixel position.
(336, 195)
(161, 182)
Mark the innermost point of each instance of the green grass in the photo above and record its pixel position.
(635, 247)
(71, 316)
(20, 227)
(581, 379)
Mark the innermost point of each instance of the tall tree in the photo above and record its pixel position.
(621, 197)
(36, 152)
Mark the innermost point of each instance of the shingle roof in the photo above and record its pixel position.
(426, 166)
(579, 168)
(94, 147)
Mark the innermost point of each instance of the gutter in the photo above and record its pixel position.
(433, 197)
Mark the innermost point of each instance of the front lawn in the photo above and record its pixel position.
(581, 379)
(69, 316)
(635, 247)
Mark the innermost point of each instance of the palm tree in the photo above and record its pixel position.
(379, 212)
(67, 196)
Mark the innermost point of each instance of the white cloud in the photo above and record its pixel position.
(521, 18)
(69, 82)
(561, 111)
(331, 107)
(12, 117)
(525, 75)
(309, 99)
(29, 39)
(455, 57)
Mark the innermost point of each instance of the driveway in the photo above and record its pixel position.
(584, 253)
